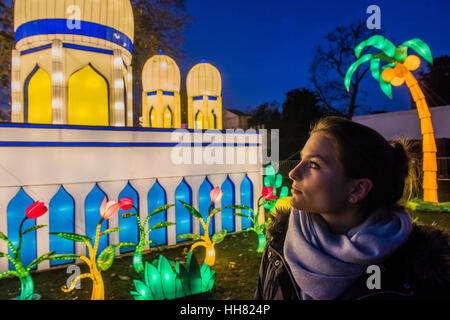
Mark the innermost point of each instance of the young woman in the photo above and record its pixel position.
(346, 235)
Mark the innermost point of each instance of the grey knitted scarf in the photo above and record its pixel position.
(324, 264)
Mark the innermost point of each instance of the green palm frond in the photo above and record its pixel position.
(386, 87)
(353, 67)
(378, 42)
(420, 47)
(375, 68)
(401, 53)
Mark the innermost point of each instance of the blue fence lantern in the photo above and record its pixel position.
(183, 216)
(92, 216)
(228, 199)
(61, 219)
(247, 200)
(15, 214)
(204, 201)
(130, 229)
(157, 198)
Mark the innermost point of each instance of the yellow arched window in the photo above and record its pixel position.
(198, 121)
(39, 102)
(152, 116)
(212, 120)
(88, 101)
(167, 117)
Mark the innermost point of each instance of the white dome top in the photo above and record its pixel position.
(204, 80)
(161, 73)
(102, 23)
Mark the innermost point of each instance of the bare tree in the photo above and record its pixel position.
(159, 25)
(435, 82)
(329, 67)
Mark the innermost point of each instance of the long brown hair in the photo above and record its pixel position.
(364, 153)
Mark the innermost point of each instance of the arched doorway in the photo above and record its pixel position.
(88, 98)
(198, 123)
(168, 116)
(38, 97)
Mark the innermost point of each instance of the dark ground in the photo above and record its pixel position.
(237, 266)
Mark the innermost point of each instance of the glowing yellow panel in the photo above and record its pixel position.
(167, 118)
(40, 98)
(88, 98)
(212, 121)
(152, 118)
(199, 121)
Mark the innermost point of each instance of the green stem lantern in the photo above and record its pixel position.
(267, 197)
(275, 181)
(204, 240)
(99, 263)
(34, 211)
(138, 263)
(261, 242)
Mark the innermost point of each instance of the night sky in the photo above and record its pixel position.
(263, 48)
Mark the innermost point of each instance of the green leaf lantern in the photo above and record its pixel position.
(34, 211)
(167, 280)
(274, 180)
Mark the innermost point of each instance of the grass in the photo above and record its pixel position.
(441, 219)
(237, 266)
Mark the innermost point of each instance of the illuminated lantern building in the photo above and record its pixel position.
(72, 141)
(204, 91)
(161, 81)
(72, 62)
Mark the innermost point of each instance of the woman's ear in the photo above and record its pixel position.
(360, 190)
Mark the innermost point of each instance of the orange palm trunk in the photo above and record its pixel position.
(429, 183)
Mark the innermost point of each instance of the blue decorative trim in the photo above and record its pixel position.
(105, 128)
(44, 47)
(157, 197)
(14, 214)
(198, 98)
(118, 144)
(168, 93)
(86, 48)
(70, 46)
(212, 98)
(204, 201)
(59, 26)
(182, 216)
(61, 219)
(151, 93)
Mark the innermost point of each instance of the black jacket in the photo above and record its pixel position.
(419, 269)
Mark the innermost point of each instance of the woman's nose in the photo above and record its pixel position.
(295, 174)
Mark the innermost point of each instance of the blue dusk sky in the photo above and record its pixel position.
(264, 48)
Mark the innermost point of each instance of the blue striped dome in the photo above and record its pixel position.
(99, 23)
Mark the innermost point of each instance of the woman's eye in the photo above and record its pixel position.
(313, 165)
